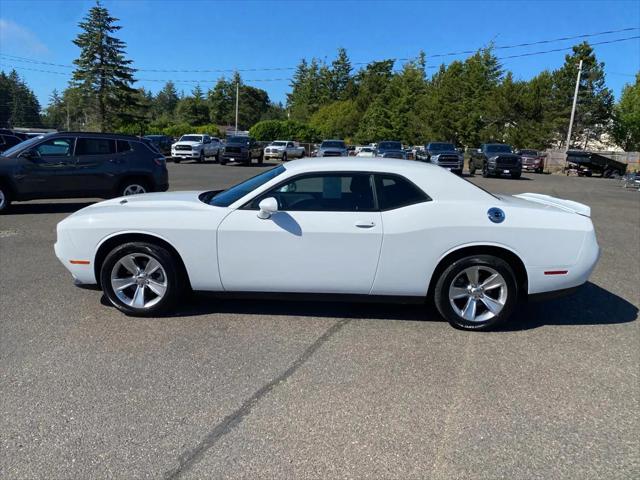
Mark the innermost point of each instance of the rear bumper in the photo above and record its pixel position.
(553, 278)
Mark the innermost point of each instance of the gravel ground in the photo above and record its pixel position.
(275, 389)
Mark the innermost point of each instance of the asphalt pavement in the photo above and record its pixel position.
(277, 389)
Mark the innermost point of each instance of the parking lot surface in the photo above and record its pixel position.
(276, 389)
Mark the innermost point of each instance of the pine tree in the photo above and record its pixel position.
(626, 118)
(165, 102)
(340, 76)
(102, 71)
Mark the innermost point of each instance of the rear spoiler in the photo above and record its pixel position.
(567, 205)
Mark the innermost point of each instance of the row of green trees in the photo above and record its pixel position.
(467, 102)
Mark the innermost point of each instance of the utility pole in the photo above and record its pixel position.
(68, 128)
(573, 108)
(237, 95)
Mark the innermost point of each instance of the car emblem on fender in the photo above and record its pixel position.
(496, 215)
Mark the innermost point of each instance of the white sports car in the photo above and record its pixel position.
(387, 228)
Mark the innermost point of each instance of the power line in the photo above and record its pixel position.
(260, 80)
(271, 69)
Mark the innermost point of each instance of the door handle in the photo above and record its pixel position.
(365, 224)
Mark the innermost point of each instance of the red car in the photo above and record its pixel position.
(532, 160)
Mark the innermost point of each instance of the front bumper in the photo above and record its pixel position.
(236, 156)
(185, 154)
(270, 155)
(67, 252)
(503, 169)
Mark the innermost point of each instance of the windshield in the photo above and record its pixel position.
(498, 148)
(22, 146)
(333, 144)
(226, 198)
(191, 138)
(529, 152)
(390, 146)
(366, 149)
(279, 144)
(241, 140)
(441, 147)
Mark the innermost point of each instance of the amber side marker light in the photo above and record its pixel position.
(556, 272)
(79, 262)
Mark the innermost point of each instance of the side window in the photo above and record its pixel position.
(56, 147)
(328, 192)
(396, 192)
(123, 146)
(289, 145)
(95, 146)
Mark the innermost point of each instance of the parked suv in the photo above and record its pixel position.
(241, 149)
(443, 154)
(162, 143)
(196, 147)
(495, 159)
(8, 141)
(79, 164)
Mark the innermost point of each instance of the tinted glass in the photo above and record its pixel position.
(389, 146)
(441, 146)
(324, 193)
(529, 152)
(241, 140)
(123, 146)
(191, 138)
(333, 144)
(10, 140)
(56, 147)
(226, 198)
(22, 146)
(395, 192)
(95, 146)
(498, 148)
(279, 144)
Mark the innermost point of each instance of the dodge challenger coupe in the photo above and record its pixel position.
(388, 228)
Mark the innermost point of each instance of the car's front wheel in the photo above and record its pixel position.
(5, 198)
(141, 279)
(133, 187)
(472, 168)
(477, 292)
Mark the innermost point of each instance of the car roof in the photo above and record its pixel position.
(437, 182)
(97, 134)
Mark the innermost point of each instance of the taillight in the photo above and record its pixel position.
(160, 160)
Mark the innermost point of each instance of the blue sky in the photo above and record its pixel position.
(198, 34)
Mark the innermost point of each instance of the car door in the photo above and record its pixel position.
(47, 169)
(325, 238)
(97, 163)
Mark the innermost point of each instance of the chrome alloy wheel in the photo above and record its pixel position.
(134, 189)
(478, 293)
(139, 280)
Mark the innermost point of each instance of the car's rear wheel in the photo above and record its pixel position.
(217, 157)
(201, 158)
(133, 187)
(477, 292)
(141, 279)
(5, 198)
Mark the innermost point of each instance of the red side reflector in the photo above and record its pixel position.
(79, 262)
(556, 272)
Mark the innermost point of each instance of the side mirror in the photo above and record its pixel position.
(268, 206)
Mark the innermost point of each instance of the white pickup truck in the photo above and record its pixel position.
(284, 150)
(197, 147)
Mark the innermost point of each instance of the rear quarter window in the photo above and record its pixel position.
(394, 191)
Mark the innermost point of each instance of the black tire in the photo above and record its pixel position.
(175, 283)
(540, 170)
(284, 157)
(261, 159)
(218, 156)
(5, 199)
(202, 158)
(176, 160)
(472, 168)
(453, 273)
(223, 161)
(516, 175)
(485, 171)
(129, 184)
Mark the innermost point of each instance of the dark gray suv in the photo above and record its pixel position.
(80, 164)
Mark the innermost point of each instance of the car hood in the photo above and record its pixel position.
(191, 144)
(332, 149)
(170, 202)
(502, 155)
